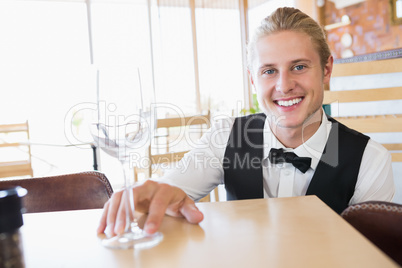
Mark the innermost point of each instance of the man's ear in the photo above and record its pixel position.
(328, 70)
(251, 77)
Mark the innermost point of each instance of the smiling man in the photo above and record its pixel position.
(289, 80)
(291, 149)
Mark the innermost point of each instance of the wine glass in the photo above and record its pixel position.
(123, 134)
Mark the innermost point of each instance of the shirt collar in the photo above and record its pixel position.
(313, 147)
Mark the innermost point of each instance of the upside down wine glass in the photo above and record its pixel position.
(122, 136)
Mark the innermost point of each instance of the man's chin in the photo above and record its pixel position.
(286, 121)
(297, 123)
(289, 125)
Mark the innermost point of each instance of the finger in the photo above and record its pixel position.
(121, 218)
(102, 222)
(190, 211)
(113, 209)
(164, 196)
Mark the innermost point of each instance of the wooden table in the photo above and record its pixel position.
(282, 232)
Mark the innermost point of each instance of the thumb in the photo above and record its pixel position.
(190, 211)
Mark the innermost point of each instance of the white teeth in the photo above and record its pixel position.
(289, 102)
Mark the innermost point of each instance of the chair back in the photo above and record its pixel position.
(85, 190)
(176, 131)
(15, 148)
(381, 223)
(182, 130)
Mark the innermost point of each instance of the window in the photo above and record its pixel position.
(220, 56)
(259, 9)
(56, 55)
(45, 72)
(174, 55)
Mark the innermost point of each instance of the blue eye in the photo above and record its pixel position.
(269, 72)
(299, 67)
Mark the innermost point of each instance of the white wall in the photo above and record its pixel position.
(374, 108)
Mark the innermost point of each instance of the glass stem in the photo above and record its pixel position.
(129, 197)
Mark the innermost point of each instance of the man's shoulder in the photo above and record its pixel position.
(377, 149)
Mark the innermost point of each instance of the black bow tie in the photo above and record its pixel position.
(277, 156)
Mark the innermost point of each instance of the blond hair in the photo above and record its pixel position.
(287, 18)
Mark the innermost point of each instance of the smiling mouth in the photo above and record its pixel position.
(288, 103)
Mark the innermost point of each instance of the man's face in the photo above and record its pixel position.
(288, 78)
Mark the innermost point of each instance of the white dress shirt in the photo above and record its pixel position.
(200, 171)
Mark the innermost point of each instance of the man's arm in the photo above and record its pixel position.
(200, 170)
(198, 173)
(375, 180)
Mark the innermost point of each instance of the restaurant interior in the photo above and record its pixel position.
(55, 72)
(68, 64)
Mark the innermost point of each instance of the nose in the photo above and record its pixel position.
(284, 83)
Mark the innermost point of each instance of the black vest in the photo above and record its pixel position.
(335, 177)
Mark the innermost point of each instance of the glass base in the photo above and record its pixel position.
(137, 240)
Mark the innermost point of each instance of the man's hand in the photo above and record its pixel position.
(153, 198)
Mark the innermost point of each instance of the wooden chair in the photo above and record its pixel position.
(174, 131)
(381, 223)
(174, 134)
(18, 162)
(382, 123)
(85, 190)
